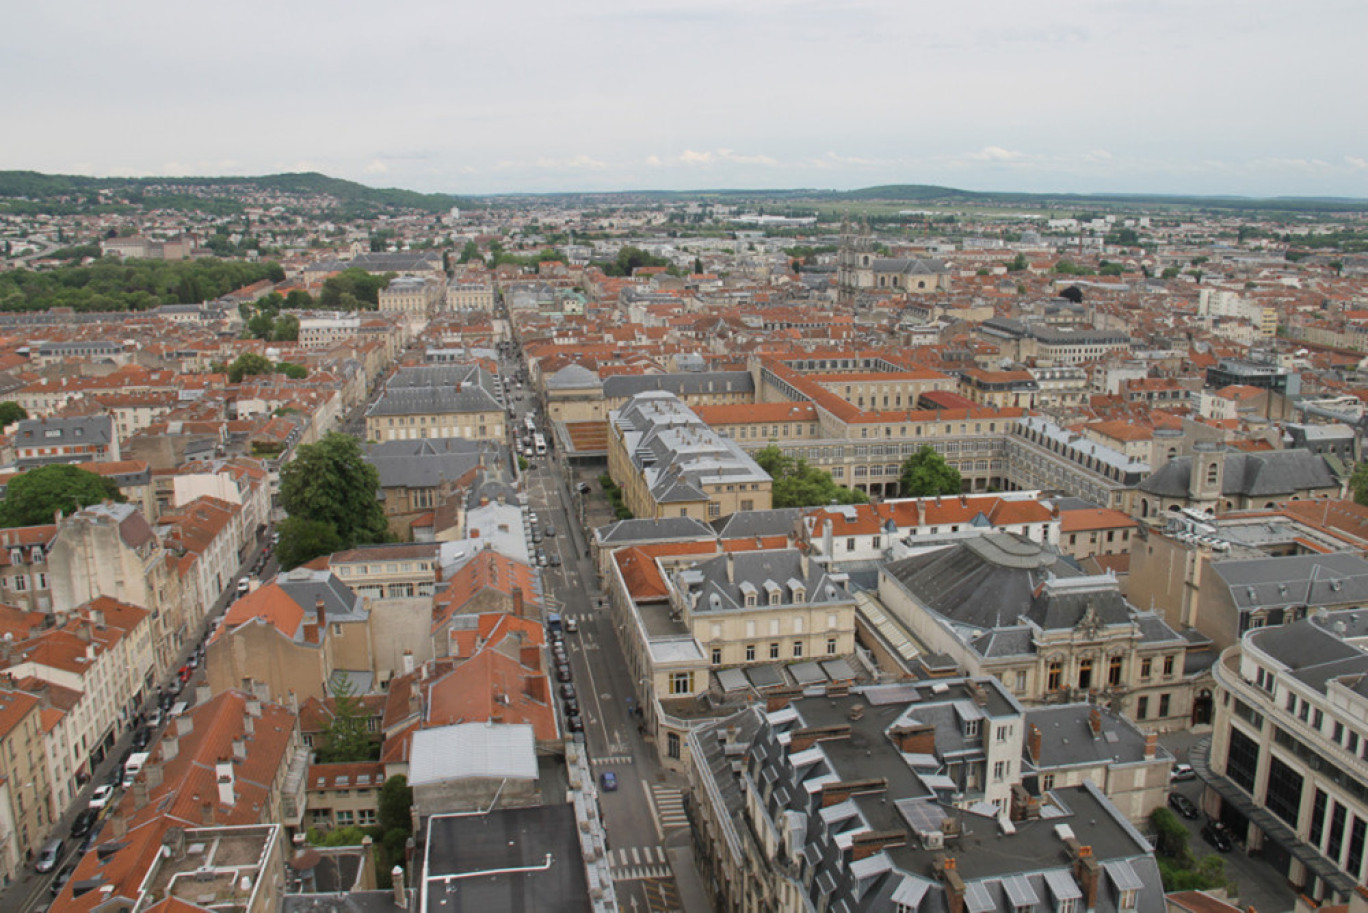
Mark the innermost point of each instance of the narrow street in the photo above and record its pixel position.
(645, 819)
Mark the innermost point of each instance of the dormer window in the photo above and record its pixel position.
(971, 728)
(16, 556)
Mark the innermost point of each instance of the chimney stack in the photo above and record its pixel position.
(321, 611)
(519, 608)
(945, 868)
(400, 894)
(170, 746)
(1151, 744)
(731, 568)
(1095, 722)
(1086, 873)
(915, 738)
(240, 749)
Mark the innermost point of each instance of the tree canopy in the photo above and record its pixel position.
(329, 482)
(353, 289)
(1358, 483)
(346, 738)
(925, 473)
(11, 412)
(36, 496)
(799, 484)
(131, 285)
(248, 363)
(304, 540)
(630, 259)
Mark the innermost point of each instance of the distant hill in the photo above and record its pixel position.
(36, 186)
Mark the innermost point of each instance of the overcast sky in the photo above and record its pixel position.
(1200, 96)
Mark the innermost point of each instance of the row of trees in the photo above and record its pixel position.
(133, 285)
(800, 484)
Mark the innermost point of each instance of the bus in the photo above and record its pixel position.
(539, 444)
(529, 424)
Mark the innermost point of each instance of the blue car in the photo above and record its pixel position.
(609, 781)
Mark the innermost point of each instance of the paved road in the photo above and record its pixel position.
(644, 817)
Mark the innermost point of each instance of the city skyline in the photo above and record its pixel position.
(1061, 97)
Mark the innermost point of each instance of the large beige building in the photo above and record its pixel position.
(438, 401)
(412, 296)
(670, 464)
(26, 807)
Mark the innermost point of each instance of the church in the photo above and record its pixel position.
(860, 270)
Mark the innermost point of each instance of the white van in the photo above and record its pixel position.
(132, 766)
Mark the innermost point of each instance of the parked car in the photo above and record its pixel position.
(90, 839)
(541, 557)
(1216, 833)
(62, 878)
(85, 820)
(550, 530)
(609, 781)
(49, 855)
(563, 673)
(184, 674)
(575, 723)
(154, 719)
(100, 798)
(555, 560)
(567, 692)
(141, 736)
(1182, 772)
(1183, 806)
(571, 708)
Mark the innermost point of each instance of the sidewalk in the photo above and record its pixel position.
(692, 894)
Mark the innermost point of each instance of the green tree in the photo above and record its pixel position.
(11, 412)
(304, 540)
(298, 300)
(260, 325)
(471, 251)
(396, 804)
(1018, 264)
(925, 473)
(796, 483)
(1358, 483)
(35, 496)
(248, 363)
(1170, 272)
(292, 370)
(346, 738)
(329, 482)
(286, 328)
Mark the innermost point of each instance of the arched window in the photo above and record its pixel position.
(1213, 472)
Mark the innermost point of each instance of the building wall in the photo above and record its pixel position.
(259, 652)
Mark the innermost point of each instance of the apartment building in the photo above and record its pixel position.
(438, 401)
(87, 438)
(412, 296)
(1000, 389)
(902, 797)
(1041, 454)
(1284, 767)
(470, 295)
(871, 532)
(291, 635)
(27, 808)
(25, 580)
(669, 463)
(111, 550)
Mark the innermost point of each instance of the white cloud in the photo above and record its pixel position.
(376, 167)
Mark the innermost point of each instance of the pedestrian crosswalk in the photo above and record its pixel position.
(635, 862)
(669, 806)
(612, 759)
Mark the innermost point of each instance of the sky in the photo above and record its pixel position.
(1258, 97)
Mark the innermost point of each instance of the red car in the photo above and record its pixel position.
(185, 673)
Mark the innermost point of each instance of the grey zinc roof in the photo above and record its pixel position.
(434, 401)
(721, 582)
(573, 377)
(306, 587)
(1067, 739)
(779, 521)
(985, 582)
(1313, 654)
(1338, 578)
(427, 463)
(646, 530)
(628, 385)
(907, 265)
(1270, 475)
